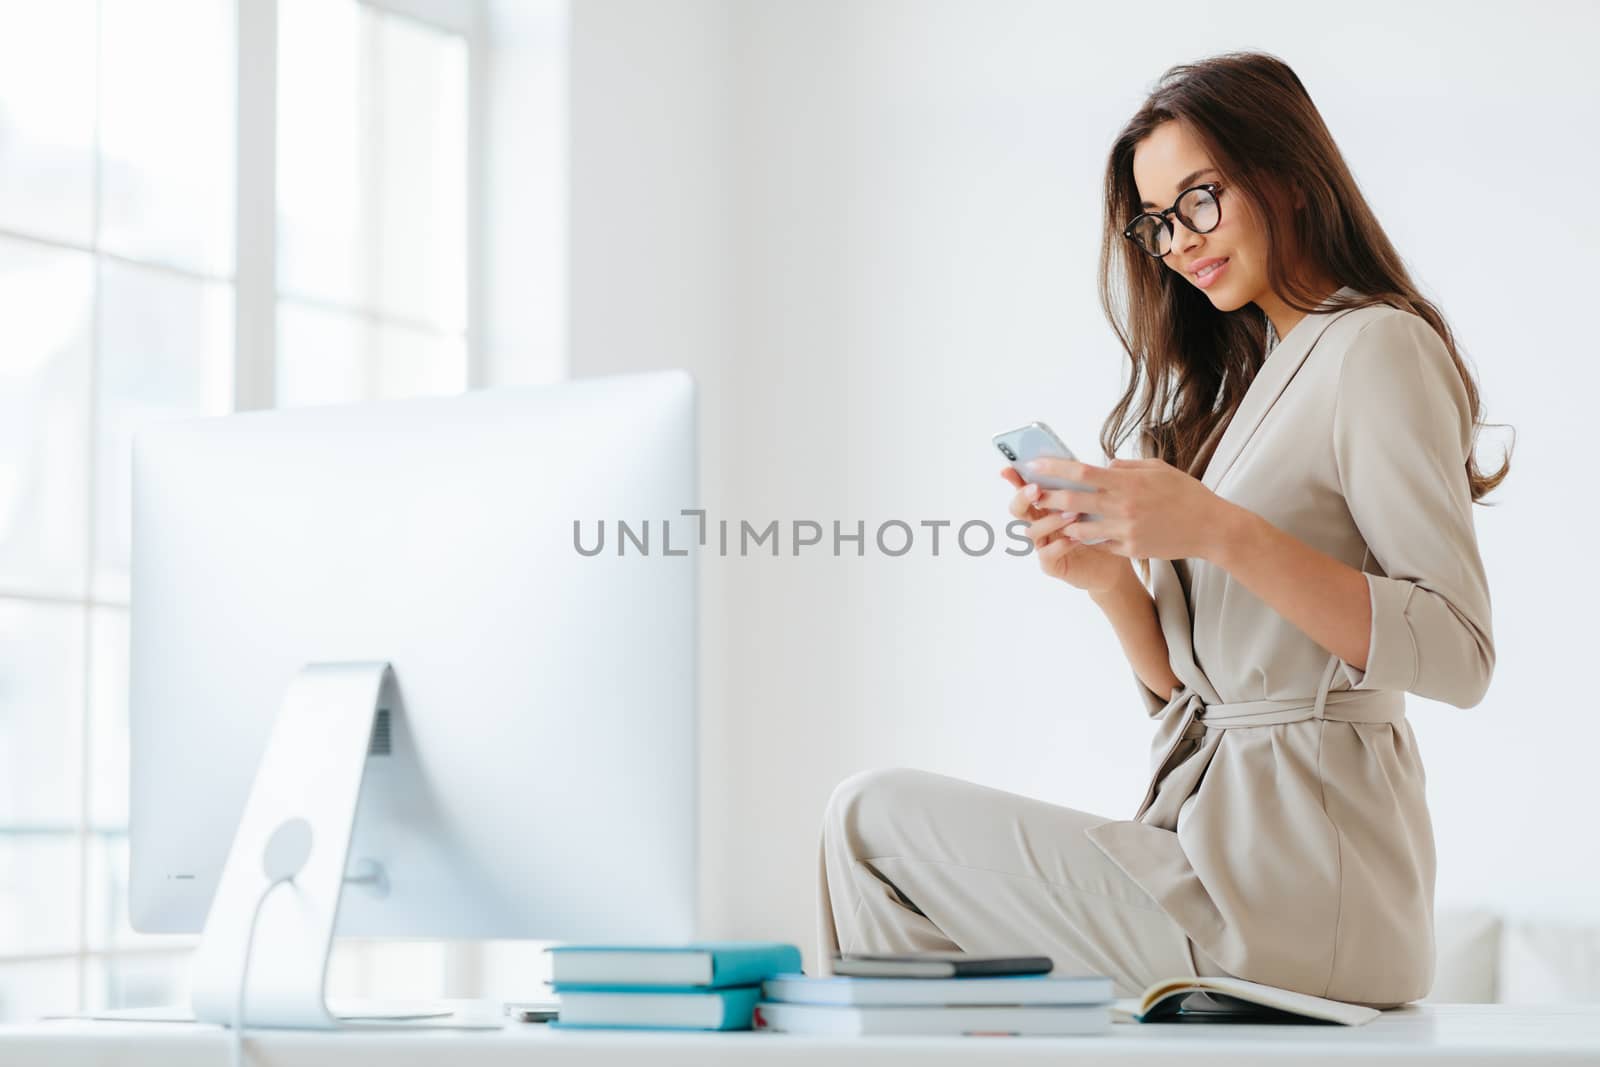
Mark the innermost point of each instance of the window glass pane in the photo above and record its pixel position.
(167, 132)
(422, 168)
(41, 714)
(387, 970)
(108, 717)
(372, 163)
(333, 357)
(29, 990)
(321, 222)
(47, 118)
(323, 356)
(44, 418)
(39, 890)
(416, 363)
(145, 980)
(107, 913)
(166, 351)
(516, 970)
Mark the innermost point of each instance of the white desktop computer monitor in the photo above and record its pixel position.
(529, 770)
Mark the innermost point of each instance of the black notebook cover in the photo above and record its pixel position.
(947, 964)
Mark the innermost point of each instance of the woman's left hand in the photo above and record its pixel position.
(1148, 508)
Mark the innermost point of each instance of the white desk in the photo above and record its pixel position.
(1431, 1034)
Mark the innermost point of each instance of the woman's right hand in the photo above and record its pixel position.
(1086, 567)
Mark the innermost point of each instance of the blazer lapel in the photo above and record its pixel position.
(1270, 381)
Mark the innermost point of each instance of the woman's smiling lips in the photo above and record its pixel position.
(1204, 277)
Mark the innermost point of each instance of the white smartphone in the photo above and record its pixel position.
(1034, 440)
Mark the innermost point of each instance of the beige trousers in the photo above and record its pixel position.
(914, 861)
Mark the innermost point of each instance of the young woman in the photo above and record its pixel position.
(1301, 513)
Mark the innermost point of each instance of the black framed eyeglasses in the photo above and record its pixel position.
(1197, 208)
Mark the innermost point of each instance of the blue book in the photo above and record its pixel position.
(716, 1009)
(696, 966)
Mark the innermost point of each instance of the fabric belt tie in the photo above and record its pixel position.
(1348, 705)
(1187, 717)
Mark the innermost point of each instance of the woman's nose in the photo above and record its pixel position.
(1183, 238)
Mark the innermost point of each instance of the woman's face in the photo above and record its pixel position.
(1171, 160)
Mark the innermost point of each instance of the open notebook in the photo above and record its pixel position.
(1227, 1000)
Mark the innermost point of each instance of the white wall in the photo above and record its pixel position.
(650, 276)
(871, 228)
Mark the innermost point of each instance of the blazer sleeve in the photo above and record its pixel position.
(1402, 431)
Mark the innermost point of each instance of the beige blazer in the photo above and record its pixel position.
(1285, 827)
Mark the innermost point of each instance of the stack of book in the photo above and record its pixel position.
(704, 985)
(936, 994)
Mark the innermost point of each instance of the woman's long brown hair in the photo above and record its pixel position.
(1191, 362)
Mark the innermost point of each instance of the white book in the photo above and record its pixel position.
(1227, 999)
(1021, 990)
(847, 1021)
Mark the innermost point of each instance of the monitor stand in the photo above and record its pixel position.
(293, 845)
